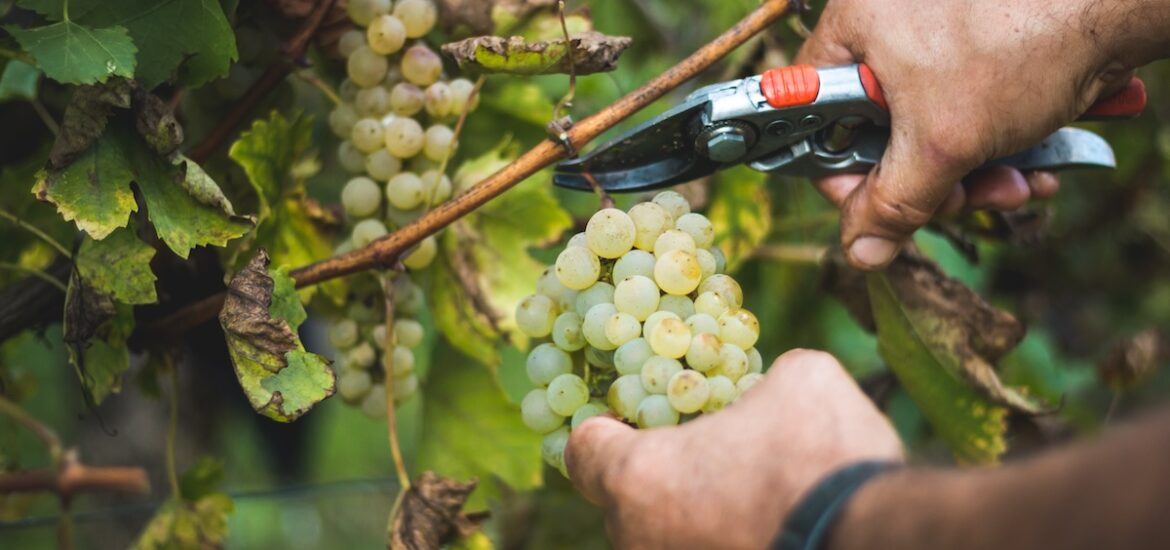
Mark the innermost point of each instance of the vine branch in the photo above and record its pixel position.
(74, 477)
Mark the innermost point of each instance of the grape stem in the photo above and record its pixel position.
(388, 371)
(383, 251)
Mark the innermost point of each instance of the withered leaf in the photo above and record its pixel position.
(592, 52)
(430, 514)
(1133, 360)
(86, 116)
(156, 123)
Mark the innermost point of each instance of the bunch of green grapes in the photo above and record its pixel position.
(361, 343)
(640, 321)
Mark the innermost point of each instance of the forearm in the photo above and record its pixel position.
(1131, 32)
(1113, 493)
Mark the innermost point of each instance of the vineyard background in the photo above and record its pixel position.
(1088, 273)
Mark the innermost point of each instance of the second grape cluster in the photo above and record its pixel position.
(641, 323)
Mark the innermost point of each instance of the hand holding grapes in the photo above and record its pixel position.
(727, 480)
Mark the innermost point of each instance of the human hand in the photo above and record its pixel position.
(965, 83)
(727, 480)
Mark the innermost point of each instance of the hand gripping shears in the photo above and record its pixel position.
(800, 121)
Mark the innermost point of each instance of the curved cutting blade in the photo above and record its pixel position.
(1065, 148)
(656, 153)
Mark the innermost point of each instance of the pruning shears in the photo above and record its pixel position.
(800, 121)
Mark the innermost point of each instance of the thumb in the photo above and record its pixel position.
(595, 447)
(901, 194)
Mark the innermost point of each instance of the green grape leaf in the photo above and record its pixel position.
(295, 236)
(95, 331)
(472, 432)
(180, 523)
(281, 380)
(119, 265)
(19, 81)
(591, 52)
(71, 53)
(267, 152)
(940, 339)
(430, 513)
(93, 190)
(741, 213)
(188, 39)
(201, 479)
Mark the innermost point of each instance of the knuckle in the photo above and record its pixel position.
(808, 358)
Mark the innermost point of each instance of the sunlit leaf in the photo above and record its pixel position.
(741, 213)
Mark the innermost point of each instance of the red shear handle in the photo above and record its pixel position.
(800, 84)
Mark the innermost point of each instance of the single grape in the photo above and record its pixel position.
(670, 338)
(625, 394)
(673, 239)
(699, 228)
(720, 259)
(366, 135)
(366, 68)
(350, 158)
(577, 267)
(740, 327)
(655, 411)
(552, 448)
(723, 392)
(374, 405)
(535, 315)
(350, 41)
(688, 391)
(703, 354)
(578, 240)
(405, 387)
(610, 233)
(343, 334)
(591, 409)
(630, 356)
(600, 292)
(439, 101)
(726, 288)
(546, 362)
(536, 413)
(461, 90)
(652, 321)
(673, 203)
(550, 286)
(386, 34)
(710, 303)
(408, 332)
(437, 142)
(362, 12)
(599, 358)
(747, 381)
(341, 120)
(418, 16)
(406, 99)
(677, 272)
(733, 362)
(366, 232)
(347, 90)
(702, 323)
(404, 137)
(657, 372)
(621, 328)
(634, 262)
(438, 186)
(421, 65)
(353, 385)
(423, 254)
(755, 361)
(401, 361)
(372, 102)
(361, 197)
(409, 297)
(363, 313)
(405, 190)
(378, 336)
(680, 305)
(593, 326)
(650, 221)
(382, 166)
(567, 393)
(707, 265)
(566, 331)
(637, 296)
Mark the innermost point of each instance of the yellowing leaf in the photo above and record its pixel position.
(119, 265)
(93, 190)
(76, 54)
(741, 213)
(95, 330)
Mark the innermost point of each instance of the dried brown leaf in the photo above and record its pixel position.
(86, 116)
(592, 52)
(1134, 360)
(430, 513)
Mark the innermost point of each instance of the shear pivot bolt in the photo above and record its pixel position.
(727, 146)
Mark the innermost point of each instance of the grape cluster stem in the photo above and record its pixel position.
(388, 369)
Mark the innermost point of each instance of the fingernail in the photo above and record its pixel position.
(873, 252)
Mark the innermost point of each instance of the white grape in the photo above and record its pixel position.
(653, 319)
(566, 394)
(747, 381)
(688, 391)
(621, 328)
(366, 232)
(740, 327)
(347, 90)
(350, 158)
(418, 16)
(353, 385)
(372, 102)
(350, 41)
(382, 166)
(657, 372)
(625, 394)
(723, 392)
(707, 265)
(437, 142)
(366, 135)
(630, 356)
(720, 259)
(577, 267)
(650, 221)
(365, 67)
(725, 287)
(755, 361)
(733, 362)
(634, 262)
(710, 303)
(599, 358)
(552, 448)
(677, 272)
(546, 362)
(386, 34)
(408, 332)
(438, 186)
(421, 65)
(593, 327)
(673, 203)
(341, 120)
(405, 190)
(401, 361)
(600, 292)
(566, 331)
(610, 233)
(404, 137)
(550, 286)
(670, 338)
(362, 12)
(361, 197)
(698, 227)
(703, 323)
(578, 240)
(406, 99)
(535, 315)
(680, 305)
(423, 254)
(374, 405)
(591, 409)
(378, 336)
(637, 296)
(703, 354)
(439, 101)
(405, 387)
(536, 413)
(361, 356)
(343, 334)
(655, 411)
(673, 239)
(461, 90)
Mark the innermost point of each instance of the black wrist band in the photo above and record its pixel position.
(810, 521)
